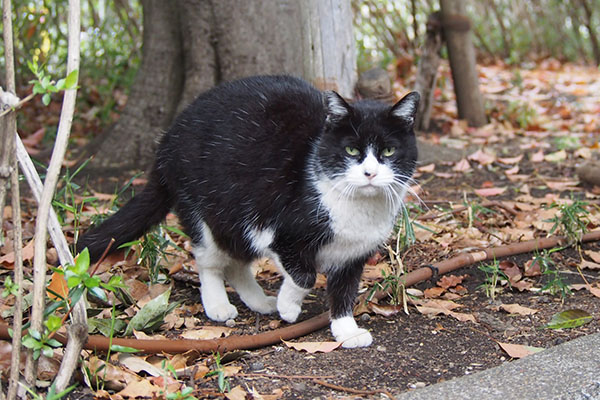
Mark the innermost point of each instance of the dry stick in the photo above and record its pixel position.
(18, 105)
(35, 183)
(9, 160)
(58, 154)
(78, 331)
(354, 391)
(8, 123)
(17, 325)
(101, 343)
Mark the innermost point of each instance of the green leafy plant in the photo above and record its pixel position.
(520, 114)
(152, 250)
(555, 284)
(219, 372)
(571, 220)
(475, 211)
(184, 393)
(10, 287)
(51, 394)
(42, 342)
(45, 86)
(404, 231)
(493, 276)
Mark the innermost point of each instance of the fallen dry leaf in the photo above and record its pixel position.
(532, 268)
(557, 156)
(518, 309)
(594, 255)
(8, 259)
(427, 168)
(510, 160)
(462, 166)
(207, 332)
(433, 292)
(518, 350)
(57, 288)
(589, 265)
(448, 281)
(511, 270)
(387, 310)
(487, 192)
(140, 388)
(314, 347)
(537, 157)
(482, 157)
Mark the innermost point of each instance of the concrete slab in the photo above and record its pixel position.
(570, 371)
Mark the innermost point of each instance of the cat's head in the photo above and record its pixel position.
(368, 148)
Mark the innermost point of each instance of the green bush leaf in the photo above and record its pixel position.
(46, 99)
(71, 79)
(568, 319)
(123, 349)
(83, 262)
(155, 308)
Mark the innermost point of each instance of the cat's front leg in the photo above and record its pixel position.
(293, 290)
(342, 286)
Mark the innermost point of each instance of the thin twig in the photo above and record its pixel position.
(275, 376)
(354, 391)
(18, 105)
(17, 324)
(102, 257)
(36, 185)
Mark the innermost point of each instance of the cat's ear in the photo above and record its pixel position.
(406, 108)
(337, 108)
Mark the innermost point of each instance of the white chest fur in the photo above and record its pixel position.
(359, 224)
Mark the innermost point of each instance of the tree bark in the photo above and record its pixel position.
(427, 70)
(151, 105)
(590, 28)
(191, 45)
(462, 62)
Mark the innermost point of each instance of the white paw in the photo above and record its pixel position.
(359, 338)
(221, 312)
(266, 305)
(288, 311)
(345, 330)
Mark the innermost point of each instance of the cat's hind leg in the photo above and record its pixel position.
(211, 263)
(239, 275)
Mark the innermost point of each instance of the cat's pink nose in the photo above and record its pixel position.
(370, 175)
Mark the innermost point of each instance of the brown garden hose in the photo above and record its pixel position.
(246, 342)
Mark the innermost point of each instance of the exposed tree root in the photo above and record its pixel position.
(101, 343)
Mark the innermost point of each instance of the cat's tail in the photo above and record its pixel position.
(135, 218)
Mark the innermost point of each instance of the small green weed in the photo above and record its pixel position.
(571, 220)
(493, 276)
(222, 381)
(404, 230)
(520, 113)
(555, 284)
(152, 250)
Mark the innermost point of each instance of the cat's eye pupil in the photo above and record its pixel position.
(388, 151)
(353, 151)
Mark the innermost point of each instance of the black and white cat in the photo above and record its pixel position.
(269, 166)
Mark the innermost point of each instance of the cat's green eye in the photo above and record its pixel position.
(353, 151)
(388, 151)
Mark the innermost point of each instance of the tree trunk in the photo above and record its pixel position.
(462, 62)
(151, 105)
(427, 70)
(191, 45)
(590, 28)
